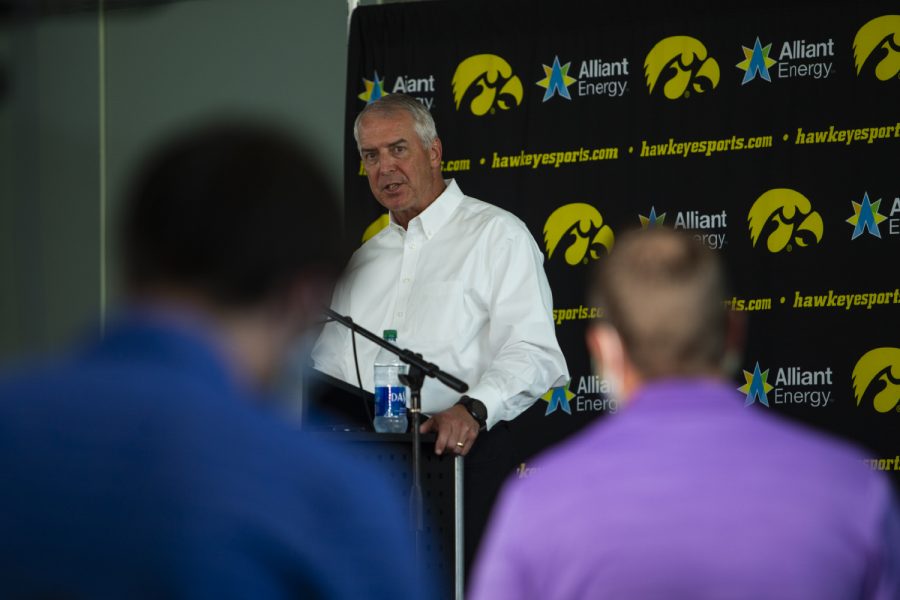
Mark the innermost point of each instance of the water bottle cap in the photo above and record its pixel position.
(390, 335)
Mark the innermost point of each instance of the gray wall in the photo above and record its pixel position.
(165, 68)
(48, 181)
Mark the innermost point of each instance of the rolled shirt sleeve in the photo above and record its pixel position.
(527, 360)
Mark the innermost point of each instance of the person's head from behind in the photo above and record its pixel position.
(234, 221)
(662, 296)
(400, 148)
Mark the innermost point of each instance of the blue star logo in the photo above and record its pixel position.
(756, 62)
(558, 398)
(374, 89)
(653, 220)
(866, 217)
(756, 386)
(556, 80)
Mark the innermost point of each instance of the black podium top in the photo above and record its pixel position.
(333, 406)
(338, 435)
(330, 404)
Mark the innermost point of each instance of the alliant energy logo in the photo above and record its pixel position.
(799, 59)
(420, 88)
(876, 379)
(580, 226)
(866, 217)
(784, 218)
(876, 48)
(791, 386)
(709, 229)
(652, 220)
(756, 386)
(374, 89)
(591, 394)
(485, 83)
(893, 222)
(595, 77)
(556, 80)
(679, 66)
(558, 399)
(601, 77)
(756, 62)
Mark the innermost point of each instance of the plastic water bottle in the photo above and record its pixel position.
(390, 394)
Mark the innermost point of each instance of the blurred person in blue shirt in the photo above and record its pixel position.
(143, 463)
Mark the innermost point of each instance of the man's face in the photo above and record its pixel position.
(400, 169)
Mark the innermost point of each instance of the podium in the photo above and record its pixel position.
(441, 548)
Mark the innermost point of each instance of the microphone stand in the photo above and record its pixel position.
(419, 368)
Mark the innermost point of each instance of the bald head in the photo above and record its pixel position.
(663, 293)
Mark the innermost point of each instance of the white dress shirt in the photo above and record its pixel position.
(464, 286)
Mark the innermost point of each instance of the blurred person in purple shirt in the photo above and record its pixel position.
(687, 493)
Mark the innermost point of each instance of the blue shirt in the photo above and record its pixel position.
(687, 494)
(141, 467)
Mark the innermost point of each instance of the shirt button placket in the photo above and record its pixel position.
(407, 268)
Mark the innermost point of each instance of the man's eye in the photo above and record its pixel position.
(370, 157)
(399, 149)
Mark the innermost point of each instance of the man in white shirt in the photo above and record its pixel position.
(460, 280)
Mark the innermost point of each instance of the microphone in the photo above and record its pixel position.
(408, 356)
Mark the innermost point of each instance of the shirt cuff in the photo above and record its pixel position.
(493, 400)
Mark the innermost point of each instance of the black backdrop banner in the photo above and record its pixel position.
(771, 135)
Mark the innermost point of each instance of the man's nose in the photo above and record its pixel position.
(387, 163)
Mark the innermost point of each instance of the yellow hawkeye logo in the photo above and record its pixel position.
(487, 82)
(375, 226)
(783, 216)
(879, 40)
(590, 236)
(876, 378)
(681, 64)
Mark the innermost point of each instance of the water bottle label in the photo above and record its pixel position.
(390, 401)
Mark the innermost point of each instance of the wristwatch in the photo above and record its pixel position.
(477, 409)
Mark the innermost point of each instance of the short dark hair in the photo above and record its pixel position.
(234, 211)
(664, 293)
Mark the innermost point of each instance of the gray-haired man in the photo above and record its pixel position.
(462, 282)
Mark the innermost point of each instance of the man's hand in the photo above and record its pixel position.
(456, 430)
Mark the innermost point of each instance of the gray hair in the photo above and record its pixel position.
(423, 122)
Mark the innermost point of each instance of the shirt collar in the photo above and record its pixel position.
(438, 212)
(677, 393)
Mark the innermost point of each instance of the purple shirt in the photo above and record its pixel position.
(688, 494)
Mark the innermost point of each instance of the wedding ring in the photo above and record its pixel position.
(460, 444)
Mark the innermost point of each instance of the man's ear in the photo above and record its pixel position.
(607, 352)
(436, 153)
(613, 363)
(591, 338)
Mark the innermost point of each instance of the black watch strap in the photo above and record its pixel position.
(477, 409)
